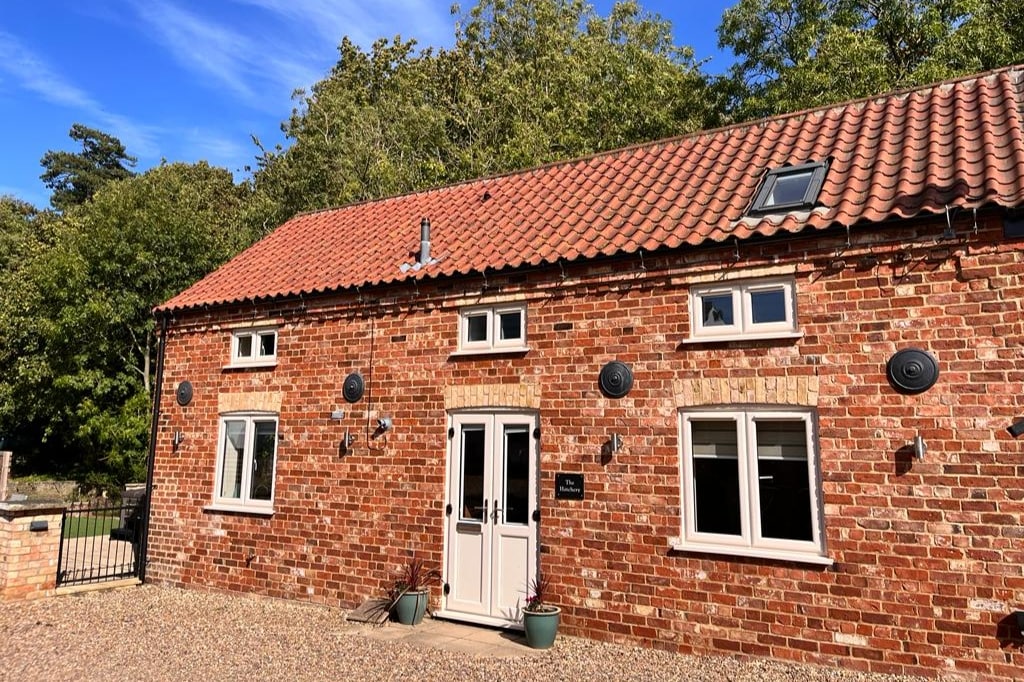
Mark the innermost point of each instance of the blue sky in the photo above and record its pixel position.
(185, 80)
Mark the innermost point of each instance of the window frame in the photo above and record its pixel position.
(743, 326)
(492, 343)
(750, 542)
(244, 502)
(255, 359)
(817, 170)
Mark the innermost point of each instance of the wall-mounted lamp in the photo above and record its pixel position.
(919, 447)
(384, 424)
(615, 442)
(1017, 428)
(179, 438)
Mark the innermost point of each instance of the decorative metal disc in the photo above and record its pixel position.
(616, 379)
(352, 390)
(912, 370)
(183, 393)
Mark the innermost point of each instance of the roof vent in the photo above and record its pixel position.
(424, 241)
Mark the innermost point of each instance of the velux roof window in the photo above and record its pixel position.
(790, 187)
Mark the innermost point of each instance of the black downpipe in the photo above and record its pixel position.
(144, 540)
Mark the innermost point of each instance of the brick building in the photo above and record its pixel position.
(751, 390)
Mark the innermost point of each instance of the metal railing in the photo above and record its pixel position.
(100, 541)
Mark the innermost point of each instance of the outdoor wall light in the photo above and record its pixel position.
(179, 438)
(615, 442)
(919, 447)
(384, 424)
(1017, 428)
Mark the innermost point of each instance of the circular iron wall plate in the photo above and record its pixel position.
(352, 390)
(183, 393)
(912, 370)
(616, 379)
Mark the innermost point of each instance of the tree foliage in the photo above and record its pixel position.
(77, 355)
(74, 177)
(794, 54)
(526, 82)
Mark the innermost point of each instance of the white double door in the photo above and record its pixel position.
(491, 516)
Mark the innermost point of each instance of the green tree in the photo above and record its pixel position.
(794, 54)
(77, 355)
(74, 177)
(527, 82)
(22, 228)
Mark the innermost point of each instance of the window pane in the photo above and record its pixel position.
(783, 484)
(244, 346)
(517, 474)
(267, 344)
(717, 310)
(716, 477)
(476, 328)
(262, 487)
(511, 325)
(473, 473)
(231, 466)
(789, 189)
(768, 306)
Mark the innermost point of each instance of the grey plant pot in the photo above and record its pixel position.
(411, 607)
(541, 627)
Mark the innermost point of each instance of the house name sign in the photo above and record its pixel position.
(568, 486)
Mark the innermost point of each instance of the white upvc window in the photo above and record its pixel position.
(246, 461)
(751, 483)
(754, 309)
(492, 328)
(253, 347)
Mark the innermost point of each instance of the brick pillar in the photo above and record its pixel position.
(29, 547)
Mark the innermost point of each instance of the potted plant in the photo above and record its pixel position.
(540, 619)
(410, 592)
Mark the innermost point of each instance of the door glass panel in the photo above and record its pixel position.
(783, 486)
(472, 484)
(716, 477)
(517, 475)
(234, 450)
(263, 461)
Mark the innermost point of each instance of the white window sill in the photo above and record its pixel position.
(744, 337)
(250, 365)
(489, 351)
(239, 509)
(751, 552)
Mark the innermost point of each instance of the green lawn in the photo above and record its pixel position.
(86, 526)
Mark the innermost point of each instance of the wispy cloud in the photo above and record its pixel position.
(33, 74)
(333, 19)
(279, 45)
(219, 149)
(202, 45)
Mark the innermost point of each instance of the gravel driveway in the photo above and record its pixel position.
(155, 633)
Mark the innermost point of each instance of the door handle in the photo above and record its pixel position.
(484, 519)
(494, 514)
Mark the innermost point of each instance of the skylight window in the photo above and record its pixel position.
(790, 187)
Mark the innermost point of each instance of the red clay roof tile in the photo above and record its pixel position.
(959, 143)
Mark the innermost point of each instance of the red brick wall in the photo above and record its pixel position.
(928, 556)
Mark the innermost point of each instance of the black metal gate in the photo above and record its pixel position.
(102, 540)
